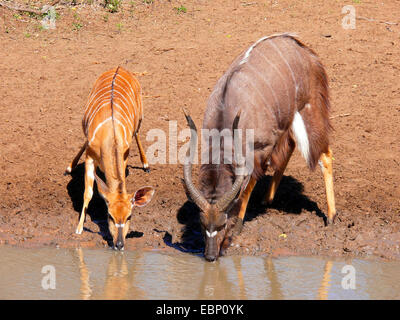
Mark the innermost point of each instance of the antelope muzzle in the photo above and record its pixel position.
(119, 243)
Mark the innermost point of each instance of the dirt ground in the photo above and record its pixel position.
(46, 76)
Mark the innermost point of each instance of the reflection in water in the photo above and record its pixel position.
(86, 291)
(214, 283)
(106, 274)
(117, 278)
(275, 292)
(241, 284)
(325, 283)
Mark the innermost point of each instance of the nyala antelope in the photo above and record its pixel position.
(112, 117)
(279, 88)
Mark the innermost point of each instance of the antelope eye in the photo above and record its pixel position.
(129, 218)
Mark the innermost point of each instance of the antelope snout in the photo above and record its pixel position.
(119, 243)
(210, 258)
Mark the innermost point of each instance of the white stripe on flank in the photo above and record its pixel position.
(300, 133)
(90, 120)
(109, 119)
(283, 80)
(247, 54)
(269, 86)
(259, 92)
(286, 62)
(123, 127)
(98, 127)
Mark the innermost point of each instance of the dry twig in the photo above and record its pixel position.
(340, 115)
(18, 7)
(380, 21)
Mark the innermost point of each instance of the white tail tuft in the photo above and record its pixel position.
(300, 133)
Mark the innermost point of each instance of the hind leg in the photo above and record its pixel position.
(325, 162)
(89, 179)
(76, 159)
(276, 179)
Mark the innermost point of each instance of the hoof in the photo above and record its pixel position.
(67, 171)
(329, 221)
(238, 227)
(147, 170)
(266, 203)
(78, 230)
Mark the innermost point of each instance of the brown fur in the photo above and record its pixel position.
(269, 82)
(112, 118)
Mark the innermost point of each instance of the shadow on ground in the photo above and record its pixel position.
(288, 199)
(97, 209)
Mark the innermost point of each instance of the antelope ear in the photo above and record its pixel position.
(142, 196)
(102, 187)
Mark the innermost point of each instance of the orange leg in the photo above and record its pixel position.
(276, 179)
(325, 162)
(76, 159)
(89, 179)
(244, 201)
(142, 154)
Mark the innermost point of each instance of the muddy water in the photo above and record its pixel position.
(105, 274)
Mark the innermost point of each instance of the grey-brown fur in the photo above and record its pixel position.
(268, 94)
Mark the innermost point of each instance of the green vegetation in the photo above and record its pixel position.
(77, 26)
(180, 9)
(113, 5)
(120, 26)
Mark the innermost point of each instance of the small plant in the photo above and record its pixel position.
(27, 35)
(120, 26)
(148, 1)
(113, 5)
(356, 1)
(180, 9)
(77, 26)
(105, 18)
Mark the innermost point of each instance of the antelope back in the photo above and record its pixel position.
(281, 88)
(114, 102)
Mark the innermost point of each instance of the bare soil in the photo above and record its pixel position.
(46, 76)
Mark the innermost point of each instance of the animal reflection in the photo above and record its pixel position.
(120, 279)
(326, 281)
(228, 278)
